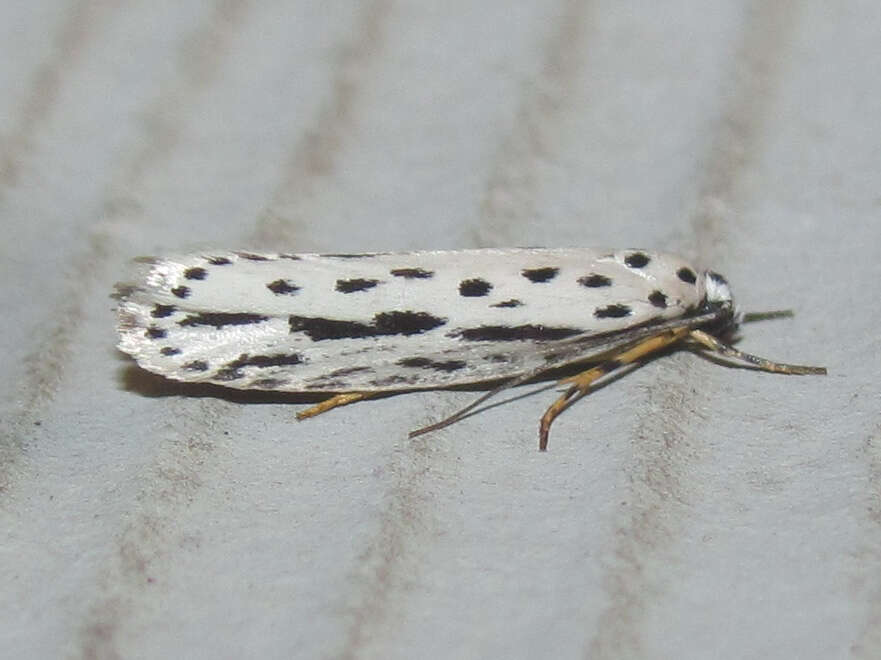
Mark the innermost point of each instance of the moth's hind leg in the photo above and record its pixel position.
(335, 401)
(580, 383)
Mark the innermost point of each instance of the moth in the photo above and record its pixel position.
(358, 325)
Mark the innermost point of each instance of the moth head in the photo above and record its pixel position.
(719, 298)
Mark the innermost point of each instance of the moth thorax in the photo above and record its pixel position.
(718, 291)
(718, 297)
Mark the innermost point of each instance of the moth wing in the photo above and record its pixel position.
(197, 318)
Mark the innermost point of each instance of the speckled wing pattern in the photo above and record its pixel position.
(393, 321)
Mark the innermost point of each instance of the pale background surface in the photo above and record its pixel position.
(686, 511)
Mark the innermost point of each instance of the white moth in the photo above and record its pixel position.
(360, 324)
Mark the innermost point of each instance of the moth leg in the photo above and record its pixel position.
(580, 383)
(335, 401)
(765, 365)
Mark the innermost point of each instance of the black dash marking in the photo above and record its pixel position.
(292, 257)
(357, 284)
(686, 275)
(497, 357)
(196, 365)
(365, 255)
(405, 323)
(384, 323)
(594, 281)
(195, 273)
(181, 291)
(220, 319)
(612, 311)
(219, 261)
(412, 273)
(161, 311)
(517, 333)
(395, 379)
(282, 287)
(425, 363)
(264, 361)
(637, 260)
(233, 370)
(155, 333)
(474, 288)
(317, 328)
(327, 384)
(269, 383)
(169, 351)
(250, 256)
(508, 303)
(345, 371)
(539, 275)
(658, 299)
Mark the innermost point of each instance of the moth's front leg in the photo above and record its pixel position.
(580, 383)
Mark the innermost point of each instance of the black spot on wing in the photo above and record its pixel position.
(594, 281)
(181, 291)
(282, 287)
(195, 273)
(169, 351)
(196, 365)
(384, 323)
(220, 319)
(250, 256)
(219, 261)
(154, 332)
(233, 370)
(637, 260)
(516, 333)
(686, 275)
(474, 288)
(612, 311)
(357, 284)
(498, 357)
(508, 303)
(412, 273)
(162, 311)
(425, 363)
(539, 275)
(658, 299)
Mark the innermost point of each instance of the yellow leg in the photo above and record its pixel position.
(580, 383)
(765, 365)
(334, 402)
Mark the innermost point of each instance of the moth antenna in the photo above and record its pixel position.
(751, 317)
(762, 363)
(459, 414)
